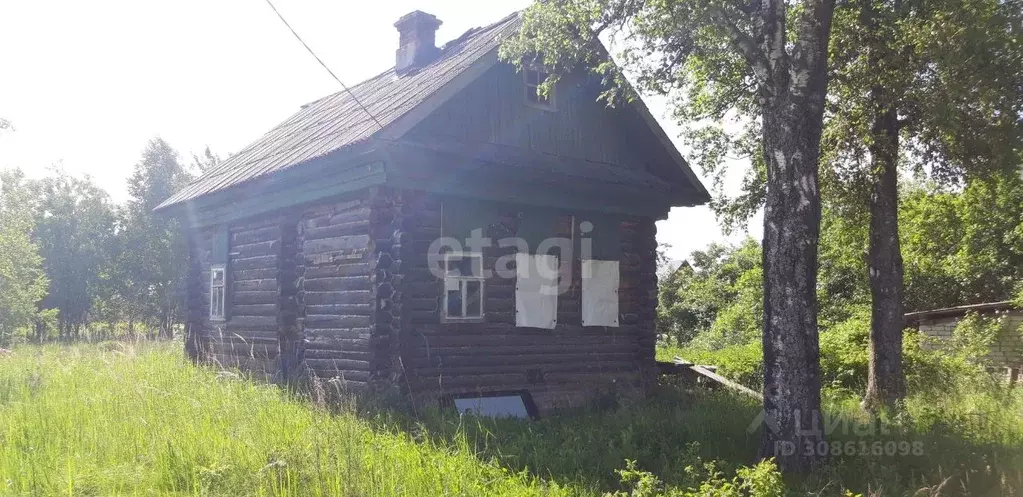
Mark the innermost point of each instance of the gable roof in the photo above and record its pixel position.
(338, 121)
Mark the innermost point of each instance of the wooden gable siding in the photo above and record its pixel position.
(493, 110)
(562, 367)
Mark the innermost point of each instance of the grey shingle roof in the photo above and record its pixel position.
(336, 121)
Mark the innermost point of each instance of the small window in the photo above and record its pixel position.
(463, 287)
(218, 289)
(533, 78)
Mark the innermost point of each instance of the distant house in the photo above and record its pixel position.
(325, 247)
(1006, 352)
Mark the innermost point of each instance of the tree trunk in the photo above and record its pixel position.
(886, 384)
(793, 427)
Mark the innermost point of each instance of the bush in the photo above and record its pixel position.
(760, 480)
(741, 363)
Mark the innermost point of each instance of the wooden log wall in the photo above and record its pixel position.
(290, 268)
(335, 295)
(197, 337)
(344, 290)
(249, 338)
(638, 291)
(393, 211)
(563, 367)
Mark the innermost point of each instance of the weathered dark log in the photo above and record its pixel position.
(268, 247)
(353, 245)
(337, 284)
(263, 285)
(344, 309)
(350, 296)
(336, 321)
(258, 262)
(263, 297)
(253, 310)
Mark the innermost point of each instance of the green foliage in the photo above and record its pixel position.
(124, 419)
(717, 292)
(121, 419)
(742, 363)
(760, 480)
(844, 352)
(74, 228)
(963, 247)
(23, 282)
(974, 335)
(152, 260)
(103, 262)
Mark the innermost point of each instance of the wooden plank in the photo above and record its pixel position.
(338, 284)
(254, 322)
(590, 359)
(262, 297)
(345, 268)
(345, 309)
(350, 297)
(358, 226)
(318, 321)
(253, 310)
(706, 373)
(345, 245)
(264, 285)
(258, 262)
(255, 235)
(328, 336)
(255, 249)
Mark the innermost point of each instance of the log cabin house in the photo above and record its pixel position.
(312, 249)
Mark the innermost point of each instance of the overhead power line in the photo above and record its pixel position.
(343, 85)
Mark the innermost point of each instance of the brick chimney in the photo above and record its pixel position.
(417, 41)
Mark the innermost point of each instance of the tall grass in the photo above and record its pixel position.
(128, 420)
(116, 419)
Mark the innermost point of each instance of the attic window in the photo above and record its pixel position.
(463, 286)
(532, 79)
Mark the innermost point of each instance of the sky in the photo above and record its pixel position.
(87, 84)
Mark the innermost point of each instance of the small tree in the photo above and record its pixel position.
(74, 221)
(155, 253)
(22, 280)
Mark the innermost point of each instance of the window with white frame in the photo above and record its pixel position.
(463, 286)
(218, 291)
(533, 77)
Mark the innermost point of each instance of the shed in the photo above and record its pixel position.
(442, 229)
(1007, 350)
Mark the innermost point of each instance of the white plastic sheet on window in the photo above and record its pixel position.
(600, 293)
(536, 291)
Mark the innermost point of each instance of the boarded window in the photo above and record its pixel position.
(600, 293)
(536, 291)
(463, 286)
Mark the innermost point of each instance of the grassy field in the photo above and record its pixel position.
(121, 419)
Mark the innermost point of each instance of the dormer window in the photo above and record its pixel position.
(532, 79)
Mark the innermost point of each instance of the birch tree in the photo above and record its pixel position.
(746, 77)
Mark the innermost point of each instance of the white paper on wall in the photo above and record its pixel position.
(600, 293)
(536, 291)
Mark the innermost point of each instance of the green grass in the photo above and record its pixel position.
(119, 419)
(131, 420)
